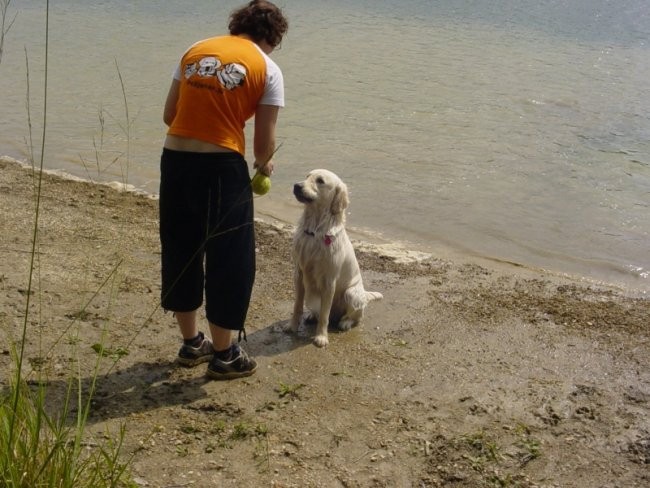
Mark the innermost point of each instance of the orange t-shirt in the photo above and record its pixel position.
(222, 81)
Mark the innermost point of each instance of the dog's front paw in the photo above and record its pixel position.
(321, 341)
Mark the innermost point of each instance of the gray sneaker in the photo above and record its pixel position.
(240, 365)
(191, 356)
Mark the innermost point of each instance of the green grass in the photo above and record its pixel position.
(38, 449)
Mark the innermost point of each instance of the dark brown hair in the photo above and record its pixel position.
(261, 20)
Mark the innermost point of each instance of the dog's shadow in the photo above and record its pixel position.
(272, 340)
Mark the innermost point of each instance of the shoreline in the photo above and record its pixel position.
(400, 252)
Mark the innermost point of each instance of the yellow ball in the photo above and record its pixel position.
(261, 184)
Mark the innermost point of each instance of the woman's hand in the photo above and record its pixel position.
(265, 169)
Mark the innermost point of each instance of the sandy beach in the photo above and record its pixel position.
(464, 375)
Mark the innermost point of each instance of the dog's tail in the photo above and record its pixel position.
(373, 295)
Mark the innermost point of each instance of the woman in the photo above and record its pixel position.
(206, 205)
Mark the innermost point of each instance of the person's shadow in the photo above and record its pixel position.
(145, 386)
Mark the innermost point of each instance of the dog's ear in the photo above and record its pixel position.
(340, 201)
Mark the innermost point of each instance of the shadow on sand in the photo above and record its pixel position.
(146, 386)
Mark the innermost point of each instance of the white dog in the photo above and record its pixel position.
(327, 277)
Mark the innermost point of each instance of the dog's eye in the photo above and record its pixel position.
(320, 180)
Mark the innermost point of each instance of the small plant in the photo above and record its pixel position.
(243, 430)
(498, 481)
(240, 431)
(342, 373)
(493, 451)
(291, 391)
(532, 449)
(484, 451)
(189, 429)
(530, 446)
(182, 451)
(483, 446)
(108, 352)
(476, 463)
(263, 454)
(219, 427)
(79, 315)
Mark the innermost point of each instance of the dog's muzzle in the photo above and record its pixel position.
(298, 193)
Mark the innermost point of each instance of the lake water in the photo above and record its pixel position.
(513, 130)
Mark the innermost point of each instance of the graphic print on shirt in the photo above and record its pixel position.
(230, 75)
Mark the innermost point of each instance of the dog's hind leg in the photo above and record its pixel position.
(353, 306)
(350, 319)
(356, 299)
(373, 295)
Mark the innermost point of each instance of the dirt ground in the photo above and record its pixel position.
(464, 375)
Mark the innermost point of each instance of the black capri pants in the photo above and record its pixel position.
(207, 235)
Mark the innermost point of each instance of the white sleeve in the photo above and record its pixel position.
(177, 72)
(274, 90)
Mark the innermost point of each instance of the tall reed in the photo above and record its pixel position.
(125, 126)
(5, 24)
(37, 448)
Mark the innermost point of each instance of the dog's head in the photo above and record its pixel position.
(322, 189)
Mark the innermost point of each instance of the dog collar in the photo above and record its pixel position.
(327, 239)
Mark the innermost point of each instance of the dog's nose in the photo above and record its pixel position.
(297, 189)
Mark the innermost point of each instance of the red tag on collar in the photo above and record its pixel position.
(328, 240)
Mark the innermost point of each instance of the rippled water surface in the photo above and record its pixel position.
(514, 130)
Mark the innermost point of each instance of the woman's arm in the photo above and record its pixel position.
(266, 117)
(170, 103)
